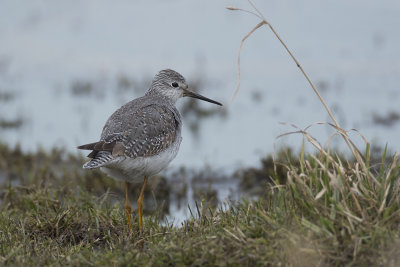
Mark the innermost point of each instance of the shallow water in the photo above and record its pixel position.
(70, 66)
(226, 191)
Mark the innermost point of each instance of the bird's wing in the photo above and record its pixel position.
(148, 131)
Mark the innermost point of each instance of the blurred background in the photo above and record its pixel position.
(66, 66)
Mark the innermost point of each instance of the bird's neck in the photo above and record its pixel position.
(165, 97)
(169, 95)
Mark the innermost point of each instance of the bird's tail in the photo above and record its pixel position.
(101, 159)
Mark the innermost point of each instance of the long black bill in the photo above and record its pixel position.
(194, 95)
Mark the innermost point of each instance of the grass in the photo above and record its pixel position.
(319, 209)
(312, 210)
(327, 211)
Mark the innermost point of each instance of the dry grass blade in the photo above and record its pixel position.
(240, 51)
(354, 150)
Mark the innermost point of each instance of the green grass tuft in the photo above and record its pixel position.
(326, 210)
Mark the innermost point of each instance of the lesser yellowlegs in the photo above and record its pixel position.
(143, 136)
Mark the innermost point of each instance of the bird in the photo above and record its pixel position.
(143, 136)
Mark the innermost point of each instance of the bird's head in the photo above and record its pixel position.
(172, 85)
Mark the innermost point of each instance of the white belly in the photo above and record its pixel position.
(134, 170)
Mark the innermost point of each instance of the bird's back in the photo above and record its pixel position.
(142, 128)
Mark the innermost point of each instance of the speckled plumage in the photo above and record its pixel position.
(143, 136)
(142, 128)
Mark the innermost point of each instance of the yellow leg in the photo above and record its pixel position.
(128, 209)
(140, 204)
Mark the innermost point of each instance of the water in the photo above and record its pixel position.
(349, 48)
(226, 191)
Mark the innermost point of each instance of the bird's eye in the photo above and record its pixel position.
(175, 84)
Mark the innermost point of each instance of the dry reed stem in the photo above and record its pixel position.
(341, 131)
